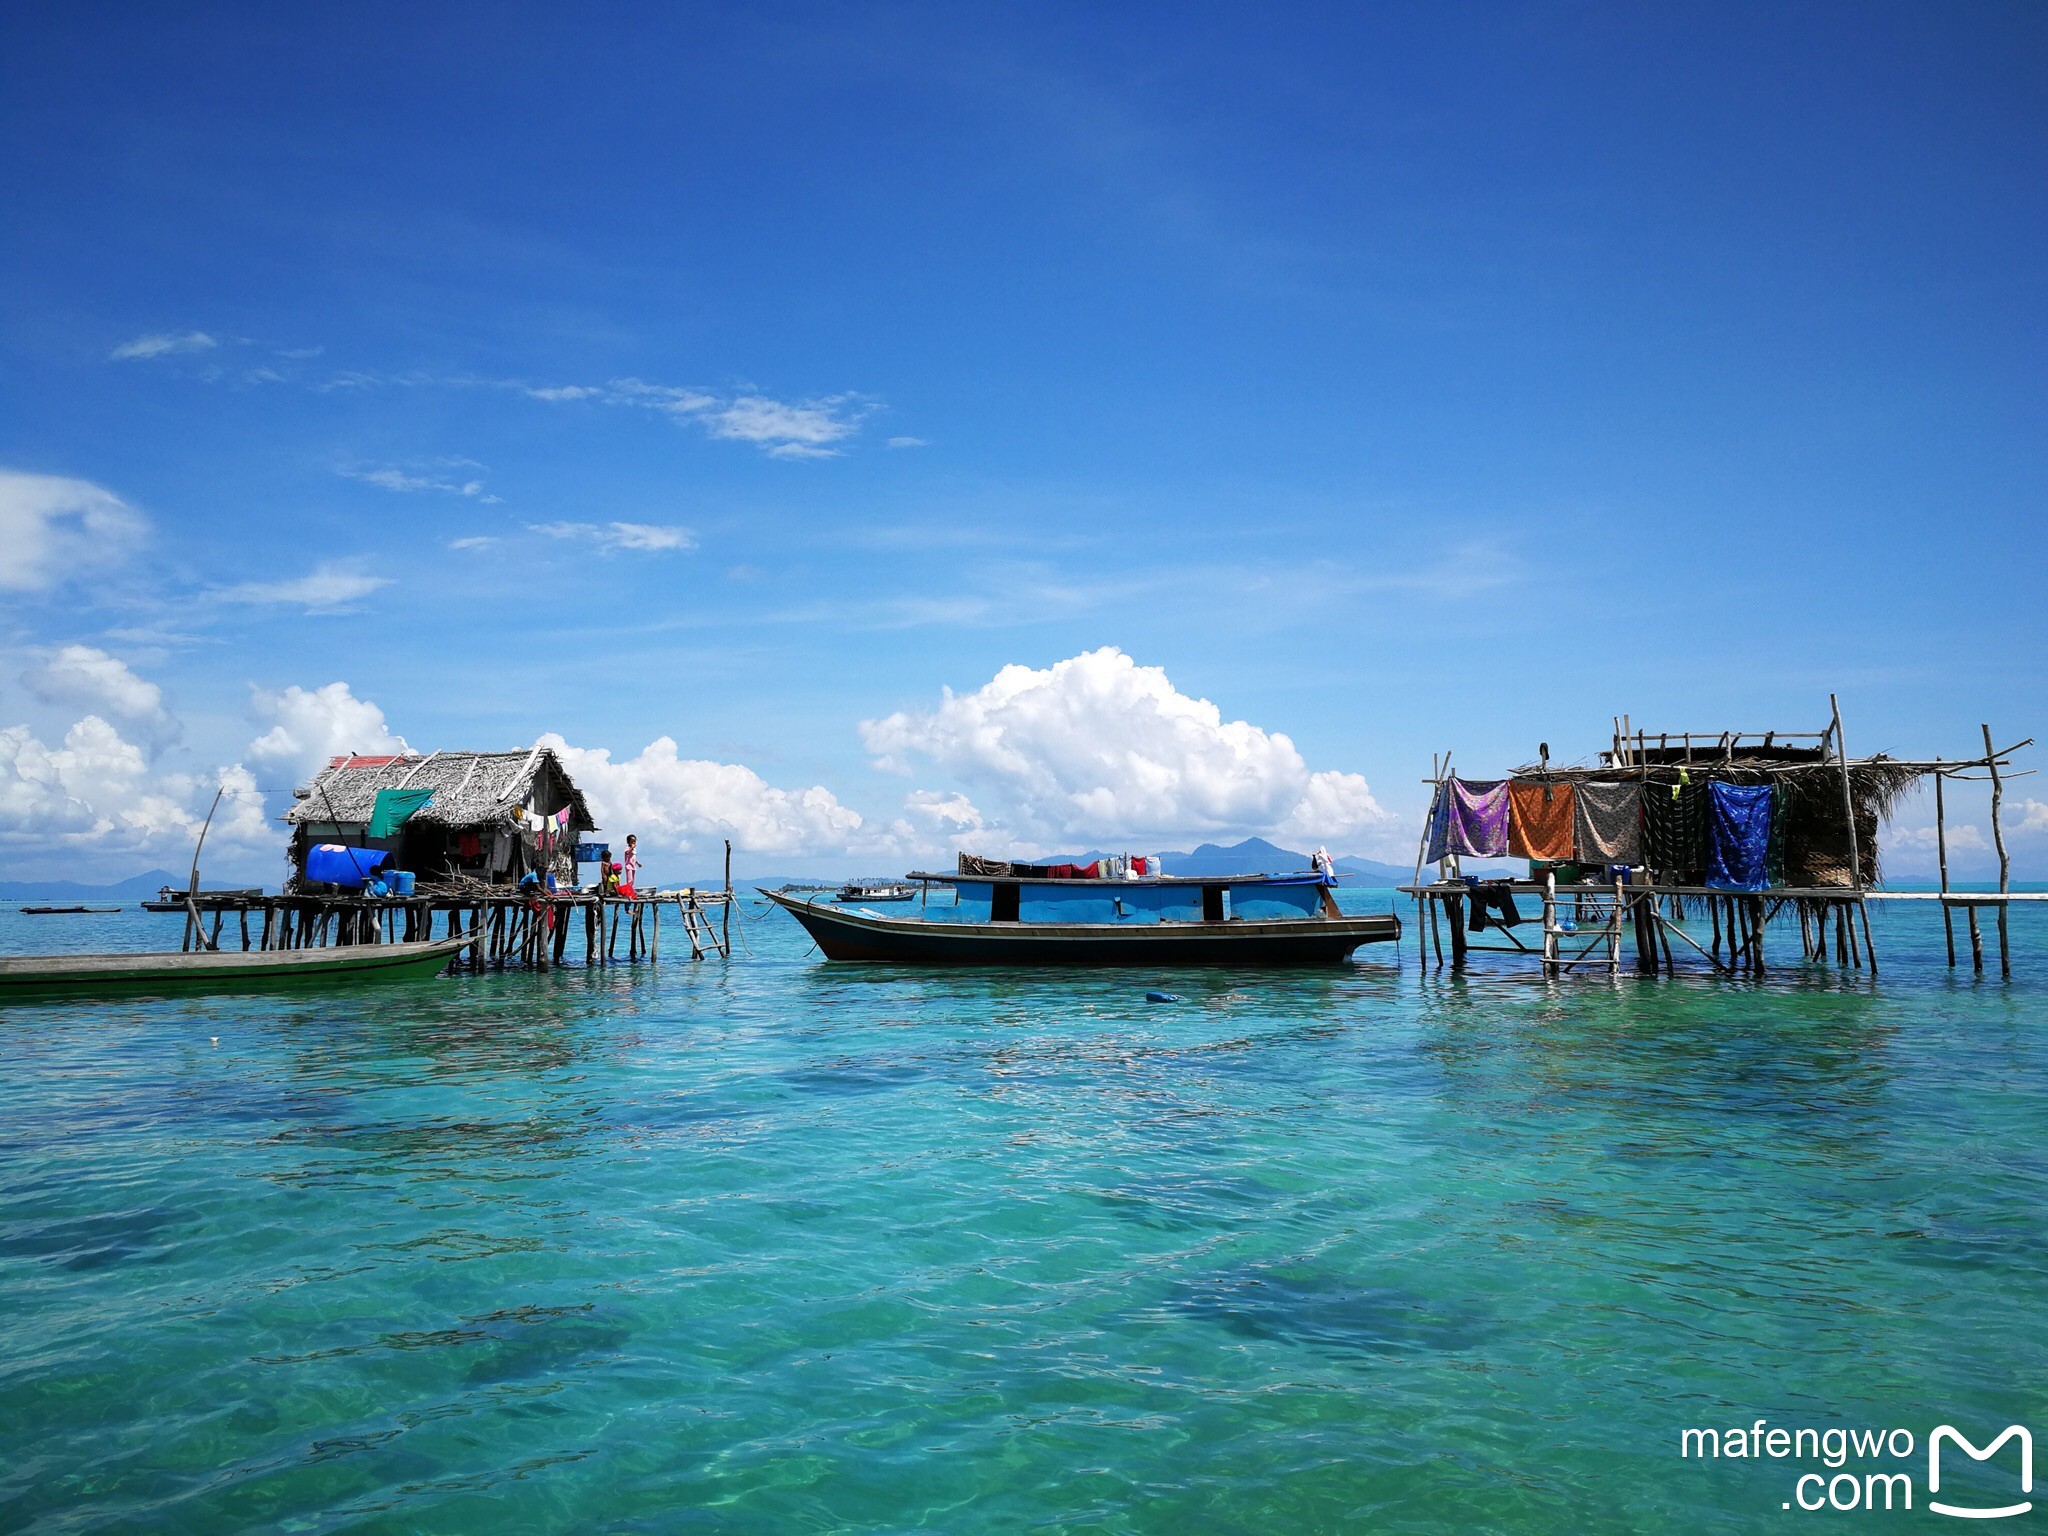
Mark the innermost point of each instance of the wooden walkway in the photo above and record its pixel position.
(511, 929)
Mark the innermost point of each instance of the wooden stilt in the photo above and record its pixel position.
(1998, 841)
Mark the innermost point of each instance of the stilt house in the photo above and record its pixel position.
(490, 816)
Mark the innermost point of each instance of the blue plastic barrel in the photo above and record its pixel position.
(401, 882)
(338, 865)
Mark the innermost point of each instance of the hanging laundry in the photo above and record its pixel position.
(1675, 828)
(1471, 819)
(1540, 819)
(1738, 836)
(393, 807)
(1607, 823)
(469, 845)
(1492, 896)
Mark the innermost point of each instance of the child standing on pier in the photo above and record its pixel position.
(629, 866)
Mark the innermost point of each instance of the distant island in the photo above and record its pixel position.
(135, 887)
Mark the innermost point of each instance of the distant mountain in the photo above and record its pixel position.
(131, 889)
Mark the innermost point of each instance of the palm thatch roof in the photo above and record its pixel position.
(471, 789)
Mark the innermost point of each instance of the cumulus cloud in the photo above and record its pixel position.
(612, 537)
(679, 802)
(96, 793)
(1098, 747)
(165, 344)
(2033, 816)
(90, 678)
(53, 528)
(308, 726)
(328, 588)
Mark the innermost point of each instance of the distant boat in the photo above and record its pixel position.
(34, 977)
(876, 890)
(1249, 920)
(171, 899)
(56, 911)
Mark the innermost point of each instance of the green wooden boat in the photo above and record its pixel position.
(41, 977)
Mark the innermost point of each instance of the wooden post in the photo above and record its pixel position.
(1849, 810)
(725, 919)
(1998, 841)
(1614, 932)
(1948, 917)
(1549, 922)
(654, 941)
(1454, 914)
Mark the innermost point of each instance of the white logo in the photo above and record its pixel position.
(1949, 1431)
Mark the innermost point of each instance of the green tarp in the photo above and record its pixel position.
(393, 808)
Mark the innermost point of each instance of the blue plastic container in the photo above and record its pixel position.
(401, 882)
(339, 865)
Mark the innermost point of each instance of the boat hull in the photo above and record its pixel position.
(844, 935)
(40, 977)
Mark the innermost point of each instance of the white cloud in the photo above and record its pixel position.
(390, 478)
(328, 588)
(2033, 816)
(683, 803)
(165, 344)
(611, 537)
(1962, 838)
(474, 541)
(1097, 747)
(53, 528)
(95, 794)
(308, 726)
(803, 429)
(908, 442)
(85, 676)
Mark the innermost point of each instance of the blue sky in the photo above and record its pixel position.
(1391, 378)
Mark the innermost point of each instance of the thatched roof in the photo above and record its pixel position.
(471, 789)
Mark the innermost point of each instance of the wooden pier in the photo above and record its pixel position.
(507, 928)
(1584, 921)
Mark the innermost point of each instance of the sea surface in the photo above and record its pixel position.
(781, 1246)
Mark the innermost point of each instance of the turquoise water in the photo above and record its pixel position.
(782, 1246)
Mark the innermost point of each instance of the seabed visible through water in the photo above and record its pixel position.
(780, 1246)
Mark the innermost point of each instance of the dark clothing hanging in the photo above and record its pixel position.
(1675, 829)
(1491, 896)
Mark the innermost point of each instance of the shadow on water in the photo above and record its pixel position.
(1331, 1313)
(96, 1240)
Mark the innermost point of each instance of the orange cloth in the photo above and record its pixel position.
(1539, 828)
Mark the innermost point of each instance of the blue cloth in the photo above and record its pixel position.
(1738, 836)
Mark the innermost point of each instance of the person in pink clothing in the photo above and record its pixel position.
(629, 866)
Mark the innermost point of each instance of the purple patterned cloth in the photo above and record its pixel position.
(1470, 818)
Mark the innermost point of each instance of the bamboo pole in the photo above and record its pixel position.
(1549, 922)
(2004, 863)
(1948, 917)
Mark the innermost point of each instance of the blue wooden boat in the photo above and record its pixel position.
(1249, 920)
